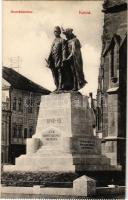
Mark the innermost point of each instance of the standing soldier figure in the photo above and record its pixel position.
(55, 58)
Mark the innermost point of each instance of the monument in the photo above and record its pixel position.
(64, 140)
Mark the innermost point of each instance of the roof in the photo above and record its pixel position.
(19, 81)
(114, 6)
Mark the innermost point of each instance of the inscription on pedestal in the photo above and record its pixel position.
(51, 136)
(86, 145)
(52, 121)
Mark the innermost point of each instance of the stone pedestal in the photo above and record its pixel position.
(64, 140)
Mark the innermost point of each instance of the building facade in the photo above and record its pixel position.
(6, 117)
(22, 99)
(112, 82)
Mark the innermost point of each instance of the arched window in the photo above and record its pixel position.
(112, 62)
(114, 59)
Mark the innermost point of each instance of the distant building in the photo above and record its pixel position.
(111, 94)
(20, 105)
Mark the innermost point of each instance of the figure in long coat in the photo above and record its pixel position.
(74, 60)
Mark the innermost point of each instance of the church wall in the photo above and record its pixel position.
(113, 87)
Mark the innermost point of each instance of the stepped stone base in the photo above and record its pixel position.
(64, 140)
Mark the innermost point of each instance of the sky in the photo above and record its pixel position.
(29, 37)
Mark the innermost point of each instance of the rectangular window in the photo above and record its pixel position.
(14, 133)
(20, 105)
(30, 110)
(14, 103)
(30, 105)
(25, 132)
(19, 131)
(30, 132)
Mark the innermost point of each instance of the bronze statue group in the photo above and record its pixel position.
(65, 61)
